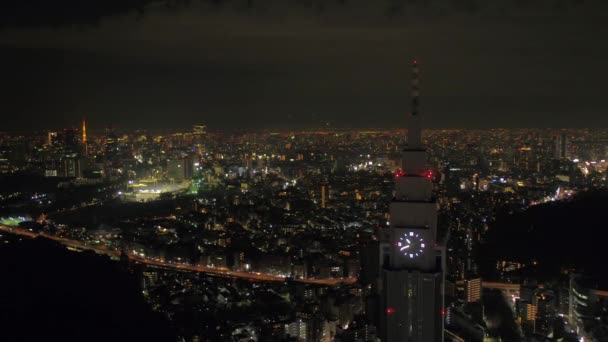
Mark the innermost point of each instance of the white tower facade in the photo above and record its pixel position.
(411, 261)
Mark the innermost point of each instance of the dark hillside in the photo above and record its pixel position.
(571, 233)
(50, 294)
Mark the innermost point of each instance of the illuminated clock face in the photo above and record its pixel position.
(411, 245)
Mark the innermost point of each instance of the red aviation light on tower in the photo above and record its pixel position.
(390, 311)
(427, 174)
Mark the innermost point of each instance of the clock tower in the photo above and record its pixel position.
(411, 262)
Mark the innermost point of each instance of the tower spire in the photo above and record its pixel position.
(84, 131)
(414, 134)
(413, 161)
(84, 138)
(411, 264)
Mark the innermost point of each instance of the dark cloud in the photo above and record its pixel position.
(58, 13)
(61, 13)
(289, 63)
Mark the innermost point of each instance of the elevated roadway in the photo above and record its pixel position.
(224, 272)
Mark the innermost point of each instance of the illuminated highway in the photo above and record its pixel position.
(223, 271)
(74, 244)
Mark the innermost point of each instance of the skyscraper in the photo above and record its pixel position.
(323, 196)
(560, 146)
(472, 289)
(199, 134)
(71, 144)
(111, 144)
(180, 169)
(411, 264)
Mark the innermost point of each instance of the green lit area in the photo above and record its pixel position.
(11, 221)
(195, 185)
(198, 184)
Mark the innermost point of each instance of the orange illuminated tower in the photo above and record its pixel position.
(84, 132)
(84, 136)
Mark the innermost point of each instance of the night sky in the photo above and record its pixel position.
(286, 64)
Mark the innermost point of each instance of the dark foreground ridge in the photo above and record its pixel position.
(560, 235)
(50, 294)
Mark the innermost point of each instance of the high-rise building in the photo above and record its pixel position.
(199, 134)
(588, 300)
(149, 279)
(297, 329)
(309, 327)
(560, 146)
(199, 129)
(111, 144)
(71, 167)
(180, 169)
(472, 290)
(71, 144)
(410, 284)
(526, 305)
(546, 310)
(51, 138)
(324, 196)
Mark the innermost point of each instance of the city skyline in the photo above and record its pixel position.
(101, 131)
(297, 213)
